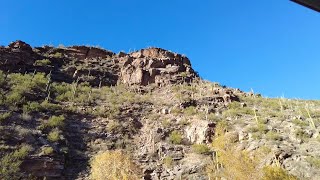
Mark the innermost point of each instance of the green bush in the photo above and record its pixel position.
(10, 163)
(56, 121)
(47, 150)
(14, 98)
(189, 111)
(300, 123)
(25, 87)
(168, 162)
(31, 107)
(200, 148)
(114, 126)
(271, 135)
(57, 55)
(79, 93)
(4, 116)
(54, 135)
(47, 106)
(43, 62)
(175, 137)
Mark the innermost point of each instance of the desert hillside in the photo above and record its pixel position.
(83, 112)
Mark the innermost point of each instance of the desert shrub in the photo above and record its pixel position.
(62, 91)
(276, 173)
(114, 126)
(274, 104)
(25, 87)
(47, 106)
(57, 55)
(175, 137)
(183, 74)
(271, 135)
(4, 116)
(214, 118)
(10, 163)
(176, 110)
(300, 122)
(261, 128)
(47, 150)
(31, 107)
(231, 163)
(56, 121)
(189, 111)
(166, 123)
(14, 98)
(200, 148)
(221, 128)
(301, 134)
(81, 93)
(234, 105)
(314, 161)
(112, 111)
(54, 135)
(25, 117)
(43, 62)
(113, 165)
(168, 162)
(235, 110)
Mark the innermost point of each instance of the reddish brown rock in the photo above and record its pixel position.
(155, 65)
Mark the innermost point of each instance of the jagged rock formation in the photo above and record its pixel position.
(98, 66)
(155, 65)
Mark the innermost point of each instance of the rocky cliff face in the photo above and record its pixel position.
(98, 66)
(59, 107)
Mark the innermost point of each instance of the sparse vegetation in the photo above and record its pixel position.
(43, 62)
(10, 163)
(168, 162)
(47, 150)
(175, 137)
(276, 173)
(54, 135)
(56, 121)
(314, 161)
(200, 148)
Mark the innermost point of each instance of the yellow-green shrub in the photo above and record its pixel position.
(113, 165)
(276, 173)
(175, 137)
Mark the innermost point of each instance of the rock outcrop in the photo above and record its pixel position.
(155, 65)
(44, 167)
(18, 56)
(98, 66)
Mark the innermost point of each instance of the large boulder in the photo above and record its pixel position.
(200, 132)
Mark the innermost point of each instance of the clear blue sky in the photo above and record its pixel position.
(270, 46)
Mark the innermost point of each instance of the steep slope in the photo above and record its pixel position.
(59, 107)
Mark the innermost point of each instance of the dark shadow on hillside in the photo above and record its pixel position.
(76, 135)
